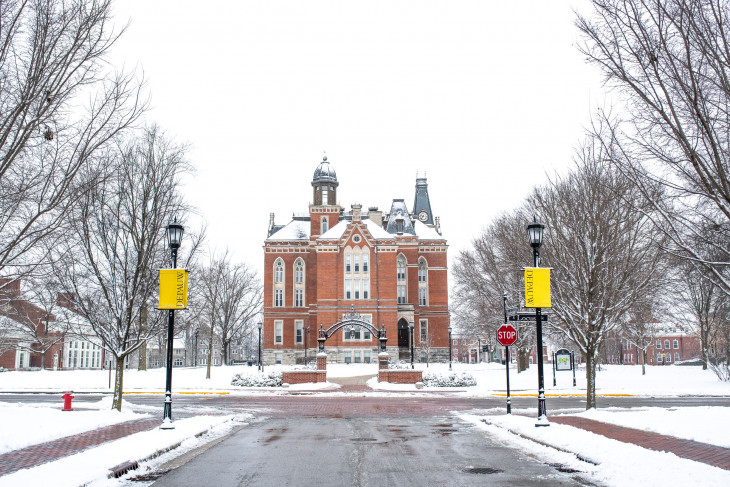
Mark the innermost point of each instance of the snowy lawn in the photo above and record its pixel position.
(608, 462)
(669, 381)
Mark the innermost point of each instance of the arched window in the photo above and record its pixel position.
(279, 283)
(299, 283)
(401, 279)
(422, 282)
(325, 224)
(357, 273)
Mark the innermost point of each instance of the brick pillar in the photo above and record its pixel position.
(321, 361)
(383, 361)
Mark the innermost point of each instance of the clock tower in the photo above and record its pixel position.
(422, 204)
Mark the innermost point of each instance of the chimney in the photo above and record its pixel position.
(375, 215)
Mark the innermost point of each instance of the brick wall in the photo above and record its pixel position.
(400, 376)
(304, 376)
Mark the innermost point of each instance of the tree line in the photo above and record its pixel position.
(638, 230)
(87, 188)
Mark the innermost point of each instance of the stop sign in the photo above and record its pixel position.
(506, 335)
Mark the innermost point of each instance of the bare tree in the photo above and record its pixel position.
(639, 328)
(669, 62)
(700, 301)
(241, 302)
(120, 226)
(488, 271)
(600, 245)
(60, 106)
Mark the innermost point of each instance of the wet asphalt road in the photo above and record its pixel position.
(363, 451)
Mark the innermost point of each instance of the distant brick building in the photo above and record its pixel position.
(389, 268)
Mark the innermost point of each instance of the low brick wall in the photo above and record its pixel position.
(400, 376)
(304, 376)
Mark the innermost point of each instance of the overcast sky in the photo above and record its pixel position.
(484, 97)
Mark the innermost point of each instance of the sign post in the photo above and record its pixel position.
(506, 335)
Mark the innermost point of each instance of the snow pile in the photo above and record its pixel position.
(399, 365)
(449, 379)
(268, 379)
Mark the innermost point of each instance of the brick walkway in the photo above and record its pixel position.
(716, 456)
(35, 455)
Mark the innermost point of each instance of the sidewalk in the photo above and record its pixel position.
(35, 455)
(716, 456)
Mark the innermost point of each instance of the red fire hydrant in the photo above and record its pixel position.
(67, 401)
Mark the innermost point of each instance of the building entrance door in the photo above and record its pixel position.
(403, 334)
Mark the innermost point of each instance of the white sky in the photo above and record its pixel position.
(484, 97)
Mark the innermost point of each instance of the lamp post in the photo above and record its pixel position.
(535, 233)
(261, 365)
(410, 326)
(174, 237)
(449, 348)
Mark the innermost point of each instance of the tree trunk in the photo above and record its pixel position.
(210, 353)
(118, 384)
(643, 362)
(226, 344)
(590, 379)
(142, 357)
(523, 359)
(705, 358)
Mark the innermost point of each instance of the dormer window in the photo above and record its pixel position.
(399, 226)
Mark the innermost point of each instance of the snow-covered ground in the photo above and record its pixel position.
(669, 381)
(613, 463)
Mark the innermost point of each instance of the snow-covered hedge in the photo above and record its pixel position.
(3, 369)
(399, 365)
(448, 379)
(270, 379)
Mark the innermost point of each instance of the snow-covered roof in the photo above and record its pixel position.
(336, 232)
(399, 211)
(425, 232)
(376, 230)
(294, 230)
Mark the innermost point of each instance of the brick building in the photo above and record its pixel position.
(388, 269)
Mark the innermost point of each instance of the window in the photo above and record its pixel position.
(659, 344)
(348, 289)
(668, 357)
(299, 331)
(366, 289)
(676, 356)
(325, 195)
(658, 358)
(347, 355)
(278, 332)
(279, 271)
(366, 356)
(423, 325)
(348, 263)
(357, 262)
(422, 296)
(422, 270)
(401, 279)
(277, 358)
(278, 298)
(204, 361)
(357, 282)
(299, 272)
(215, 361)
(325, 224)
(357, 289)
(666, 344)
(676, 344)
(299, 297)
(401, 268)
(357, 356)
(365, 262)
(279, 283)
(401, 294)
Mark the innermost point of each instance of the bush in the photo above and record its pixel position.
(271, 379)
(449, 379)
(3, 369)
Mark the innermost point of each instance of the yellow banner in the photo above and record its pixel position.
(537, 287)
(173, 289)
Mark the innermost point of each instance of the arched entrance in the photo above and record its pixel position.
(352, 320)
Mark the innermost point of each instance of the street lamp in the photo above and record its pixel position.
(410, 325)
(535, 232)
(261, 365)
(174, 237)
(449, 348)
(306, 335)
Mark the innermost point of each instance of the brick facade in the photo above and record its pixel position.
(373, 243)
